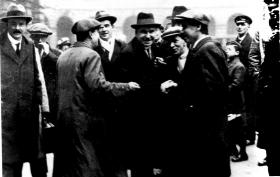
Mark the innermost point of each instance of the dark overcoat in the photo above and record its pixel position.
(244, 55)
(20, 99)
(81, 148)
(237, 73)
(205, 89)
(143, 120)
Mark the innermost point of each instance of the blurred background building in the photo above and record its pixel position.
(60, 15)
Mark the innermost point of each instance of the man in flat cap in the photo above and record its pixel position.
(138, 63)
(204, 91)
(82, 149)
(243, 23)
(39, 33)
(23, 92)
(109, 49)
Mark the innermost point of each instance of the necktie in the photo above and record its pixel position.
(148, 52)
(17, 50)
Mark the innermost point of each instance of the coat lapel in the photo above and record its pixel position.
(8, 50)
(24, 52)
(117, 50)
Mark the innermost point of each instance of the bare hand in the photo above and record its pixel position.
(134, 85)
(165, 86)
(45, 47)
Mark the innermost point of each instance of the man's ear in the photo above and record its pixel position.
(237, 52)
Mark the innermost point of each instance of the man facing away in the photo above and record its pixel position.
(82, 149)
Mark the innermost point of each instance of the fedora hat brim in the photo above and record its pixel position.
(27, 18)
(135, 26)
(112, 19)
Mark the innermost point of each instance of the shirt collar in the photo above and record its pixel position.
(13, 41)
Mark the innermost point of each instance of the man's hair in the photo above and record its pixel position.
(236, 45)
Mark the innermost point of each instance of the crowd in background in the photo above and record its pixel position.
(169, 102)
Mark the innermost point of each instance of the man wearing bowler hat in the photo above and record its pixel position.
(204, 90)
(82, 149)
(138, 62)
(23, 96)
(243, 23)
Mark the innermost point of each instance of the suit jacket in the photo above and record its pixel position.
(21, 95)
(110, 67)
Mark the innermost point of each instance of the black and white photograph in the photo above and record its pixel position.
(139, 88)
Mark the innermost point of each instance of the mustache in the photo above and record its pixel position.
(17, 31)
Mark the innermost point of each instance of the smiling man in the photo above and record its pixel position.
(142, 107)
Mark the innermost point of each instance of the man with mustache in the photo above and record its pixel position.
(23, 92)
(137, 62)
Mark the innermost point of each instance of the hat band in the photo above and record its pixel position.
(15, 13)
(146, 22)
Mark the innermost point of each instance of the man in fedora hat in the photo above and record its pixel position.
(82, 149)
(243, 23)
(204, 90)
(39, 33)
(137, 62)
(23, 91)
(109, 48)
(177, 10)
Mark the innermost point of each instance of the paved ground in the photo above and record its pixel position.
(247, 168)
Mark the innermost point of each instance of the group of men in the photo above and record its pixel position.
(148, 106)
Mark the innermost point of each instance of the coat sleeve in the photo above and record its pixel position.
(95, 79)
(254, 57)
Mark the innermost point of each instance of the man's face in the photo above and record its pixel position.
(16, 27)
(105, 30)
(190, 32)
(145, 35)
(231, 51)
(157, 34)
(242, 28)
(177, 45)
(39, 38)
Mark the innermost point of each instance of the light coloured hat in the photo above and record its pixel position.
(194, 15)
(39, 28)
(171, 32)
(63, 41)
(16, 11)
